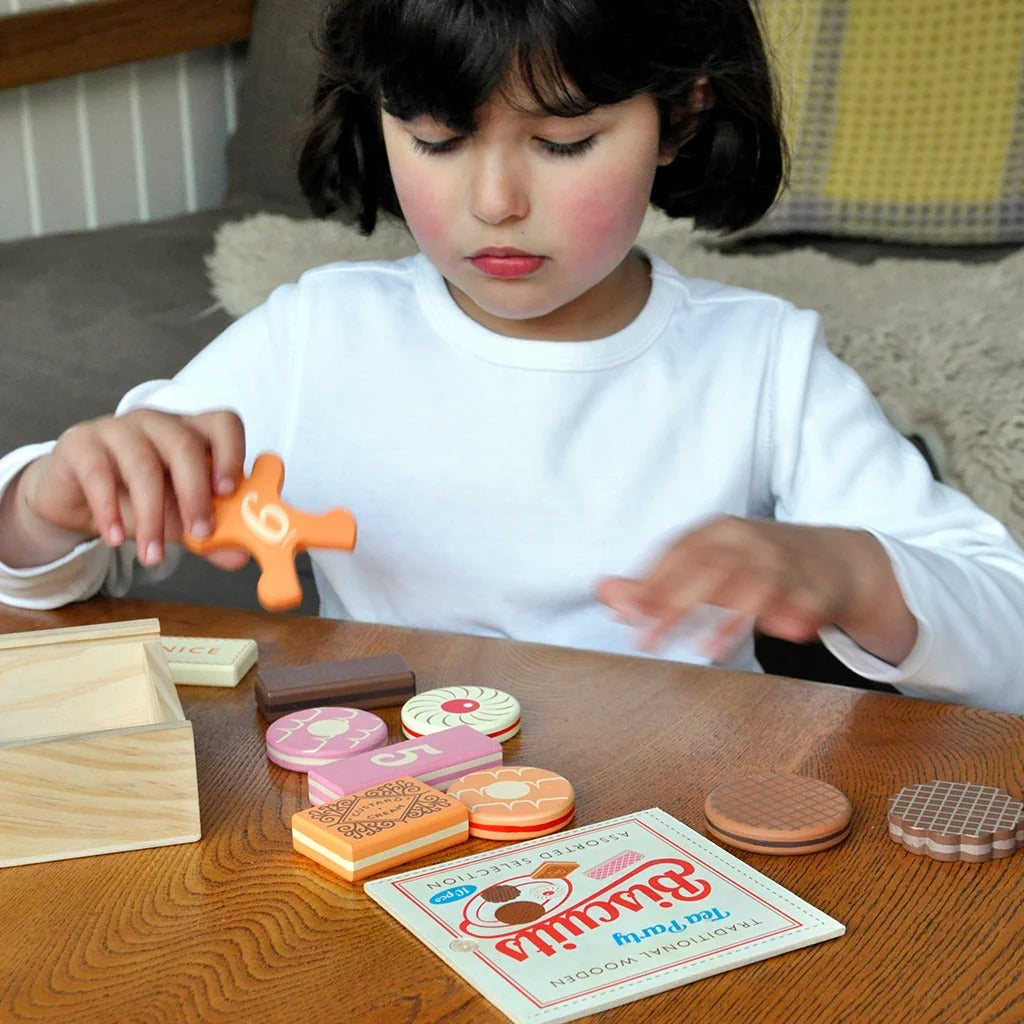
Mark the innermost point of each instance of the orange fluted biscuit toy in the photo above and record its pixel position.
(255, 518)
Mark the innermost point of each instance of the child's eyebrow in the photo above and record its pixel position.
(540, 113)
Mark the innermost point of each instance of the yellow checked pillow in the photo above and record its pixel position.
(905, 118)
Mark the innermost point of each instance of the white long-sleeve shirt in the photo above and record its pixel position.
(495, 480)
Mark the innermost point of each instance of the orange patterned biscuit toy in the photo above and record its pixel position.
(380, 827)
(255, 518)
(514, 802)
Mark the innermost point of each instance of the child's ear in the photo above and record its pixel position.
(686, 119)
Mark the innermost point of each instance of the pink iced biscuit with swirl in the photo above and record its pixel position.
(614, 865)
(438, 759)
(318, 736)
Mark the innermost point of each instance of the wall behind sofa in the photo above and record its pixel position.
(126, 144)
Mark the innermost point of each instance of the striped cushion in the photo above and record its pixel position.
(905, 118)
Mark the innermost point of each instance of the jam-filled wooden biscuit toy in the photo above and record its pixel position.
(515, 802)
(255, 518)
(492, 712)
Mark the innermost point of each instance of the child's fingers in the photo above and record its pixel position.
(674, 592)
(796, 623)
(225, 440)
(140, 466)
(231, 559)
(731, 631)
(183, 454)
(96, 477)
(191, 451)
(619, 594)
(630, 601)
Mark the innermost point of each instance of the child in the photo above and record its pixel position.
(541, 430)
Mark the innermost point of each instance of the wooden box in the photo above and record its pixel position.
(95, 752)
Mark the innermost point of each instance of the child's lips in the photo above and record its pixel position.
(506, 263)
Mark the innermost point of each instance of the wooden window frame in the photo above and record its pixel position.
(53, 42)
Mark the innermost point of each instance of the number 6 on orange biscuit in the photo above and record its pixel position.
(255, 518)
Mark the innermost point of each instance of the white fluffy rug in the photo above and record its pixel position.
(941, 343)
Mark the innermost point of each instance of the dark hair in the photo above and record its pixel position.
(444, 58)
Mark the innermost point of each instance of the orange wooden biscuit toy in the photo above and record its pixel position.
(380, 827)
(515, 802)
(255, 518)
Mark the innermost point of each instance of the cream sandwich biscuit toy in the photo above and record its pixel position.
(778, 813)
(956, 821)
(380, 827)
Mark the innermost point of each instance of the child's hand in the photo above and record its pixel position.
(145, 475)
(789, 580)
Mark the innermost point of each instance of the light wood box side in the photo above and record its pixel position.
(82, 679)
(98, 793)
(100, 758)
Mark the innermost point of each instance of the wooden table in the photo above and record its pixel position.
(240, 929)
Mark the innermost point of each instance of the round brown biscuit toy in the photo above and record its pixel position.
(956, 821)
(778, 813)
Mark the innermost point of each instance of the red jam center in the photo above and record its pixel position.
(460, 707)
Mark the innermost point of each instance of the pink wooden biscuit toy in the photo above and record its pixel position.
(380, 827)
(490, 711)
(438, 759)
(515, 803)
(255, 518)
(317, 736)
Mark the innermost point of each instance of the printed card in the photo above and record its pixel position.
(576, 922)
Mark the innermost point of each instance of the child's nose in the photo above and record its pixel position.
(500, 191)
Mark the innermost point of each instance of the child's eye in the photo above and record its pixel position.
(436, 148)
(568, 148)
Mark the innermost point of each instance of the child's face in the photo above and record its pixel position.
(531, 218)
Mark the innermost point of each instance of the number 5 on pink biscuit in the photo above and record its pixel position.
(255, 518)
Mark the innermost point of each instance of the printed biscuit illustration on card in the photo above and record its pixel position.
(564, 926)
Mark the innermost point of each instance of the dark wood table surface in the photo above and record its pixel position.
(240, 929)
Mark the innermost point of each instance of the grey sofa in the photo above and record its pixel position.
(85, 316)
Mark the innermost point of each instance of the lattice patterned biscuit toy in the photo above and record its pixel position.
(778, 813)
(956, 821)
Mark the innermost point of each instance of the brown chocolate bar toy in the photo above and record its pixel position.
(375, 682)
